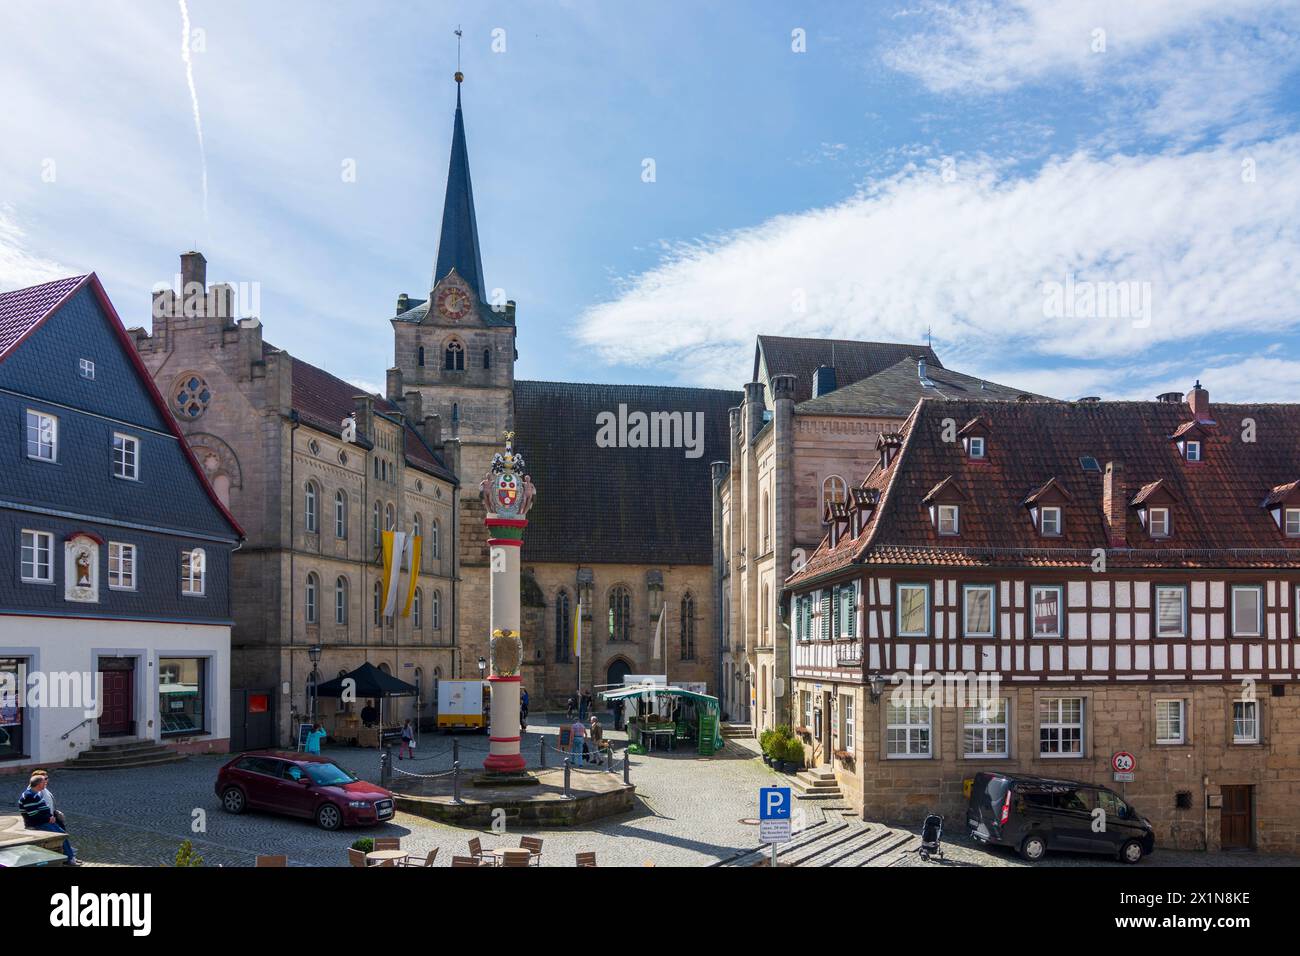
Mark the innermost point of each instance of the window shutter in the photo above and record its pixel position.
(826, 615)
(850, 613)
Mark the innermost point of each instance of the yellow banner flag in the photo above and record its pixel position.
(413, 564)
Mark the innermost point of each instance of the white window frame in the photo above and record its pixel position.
(966, 590)
(126, 450)
(1252, 721)
(1182, 611)
(848, 723)
(41, 541)
(909, 728)
(121, 566)
(1055, 510)
(1259, 610)
(1060, 610)
(1193, 452)
(977, 446)
(311, 598)
(1060, 725)
(435, 546)
(40, 444)
(417, 616)
(952, 511)
(435, 610)
(979, 719)
(311, 507)
(1287, 515)
(1180, 718)
(1165, 523)
(898, 622)
(341, 601)
(341, 515)
(194, 572)
(86, 369)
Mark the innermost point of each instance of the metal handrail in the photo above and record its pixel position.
(76, 728)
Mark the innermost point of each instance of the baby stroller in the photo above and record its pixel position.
(931, 837)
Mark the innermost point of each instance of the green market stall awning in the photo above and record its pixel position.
(704, 702)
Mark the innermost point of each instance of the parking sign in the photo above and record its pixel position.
(774, 814)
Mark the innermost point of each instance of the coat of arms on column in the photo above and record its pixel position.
(507, 492)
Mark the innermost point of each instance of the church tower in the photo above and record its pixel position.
(454, 358)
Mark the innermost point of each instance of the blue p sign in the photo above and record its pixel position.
(774, 803)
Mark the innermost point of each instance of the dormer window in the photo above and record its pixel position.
(1189, 439)
(948, 519)
(1158, 522)
(974, 437)
(1154, 504)
(1192, 450)
(1293, 522)
(1049, 522)
(976, 446)
(1283, 505)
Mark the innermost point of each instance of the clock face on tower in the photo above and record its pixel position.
(453, 302)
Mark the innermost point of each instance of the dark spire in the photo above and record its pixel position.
(458, 243)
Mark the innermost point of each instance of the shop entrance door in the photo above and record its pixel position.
(118, 716)
(1237, 821)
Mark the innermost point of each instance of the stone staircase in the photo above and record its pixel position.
(838, 838)
(732, 731)
(816, 784)
(123, 756)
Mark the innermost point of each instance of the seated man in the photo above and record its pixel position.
(38, 815)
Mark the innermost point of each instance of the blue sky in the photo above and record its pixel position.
(939, 165)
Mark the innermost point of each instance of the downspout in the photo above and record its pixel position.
(293, 589)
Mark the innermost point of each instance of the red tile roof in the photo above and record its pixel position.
(23, 309)
(1218, 514)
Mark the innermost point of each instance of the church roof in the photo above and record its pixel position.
(458, 243)
(894, 392)
(617, 505)
(851, 360)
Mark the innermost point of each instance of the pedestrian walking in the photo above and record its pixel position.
(315, 736)
(577, 742)
(39, 814)
(584, 705)
(597, 735)
(408, 741)
(523, 709)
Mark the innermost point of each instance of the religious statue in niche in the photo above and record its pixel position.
(81, 568)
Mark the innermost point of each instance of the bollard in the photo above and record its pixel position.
(455, 750)
(627, 765)
(567, 794)
(455, 781)
(386, 768)
(609, 760)
(541, 752)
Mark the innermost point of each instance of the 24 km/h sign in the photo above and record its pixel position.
(1123, 762)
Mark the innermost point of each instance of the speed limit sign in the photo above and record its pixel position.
(1123, 762)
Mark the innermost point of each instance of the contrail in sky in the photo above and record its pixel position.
(194, 98)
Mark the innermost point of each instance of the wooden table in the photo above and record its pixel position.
(378, 857)
(500, 853)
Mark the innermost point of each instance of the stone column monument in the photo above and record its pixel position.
(507, 495)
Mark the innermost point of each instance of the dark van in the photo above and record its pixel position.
(1034, 814)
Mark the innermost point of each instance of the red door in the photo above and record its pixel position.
(118, 717)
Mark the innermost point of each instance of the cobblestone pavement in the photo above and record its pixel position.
(691, 812)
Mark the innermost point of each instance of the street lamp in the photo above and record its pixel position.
(876, 685)
(314, 653)
(482, 667)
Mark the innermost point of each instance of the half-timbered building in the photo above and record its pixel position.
(1040, 586)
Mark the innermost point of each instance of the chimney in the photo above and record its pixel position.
(413, 405)
(393, 385)
(431, 431)
(364, 408)
(194, 269)
(754, 408)
(823, 382)
(1198, 400)
(403, 303)
(1114, 503)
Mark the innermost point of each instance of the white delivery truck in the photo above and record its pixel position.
(463, 704)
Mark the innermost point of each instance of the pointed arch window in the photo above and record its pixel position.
(453, 357)
(419, 356)
(563, 626)
(487, 358)
(620, 613)
(688, 627)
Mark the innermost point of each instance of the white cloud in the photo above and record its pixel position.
(970, 258)
(20, 267)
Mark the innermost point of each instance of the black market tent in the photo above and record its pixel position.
(368, 681)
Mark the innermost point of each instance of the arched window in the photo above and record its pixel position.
(390, 517)
(340, 514)
(620, 613)
(340, 600)
(416, 531)
(453, 357)
(763, 611)
(765, 523)
(435, 611)
(688, 627)
(313, 592)
(415, 610)
(835, 490)
(419, 356)
(311, 511)
(563, 626)
(433, 540)
(487, 358)
(379, 604)
(377, 512)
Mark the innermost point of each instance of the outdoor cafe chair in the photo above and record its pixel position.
(465, 861)
(517, 859)
(476, 851)
(388, 843)
(356, 857)
(418, 862)
(534, 847)
(272, 861)
(586, 859)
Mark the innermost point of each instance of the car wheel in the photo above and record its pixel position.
(328, 817)
(233, 801)
(1131, 852)
(1033, 848)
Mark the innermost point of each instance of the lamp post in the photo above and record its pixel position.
(482, 667)
(314, 653)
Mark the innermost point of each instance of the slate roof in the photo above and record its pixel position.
(893, 392)
(458, 246)
(851, 360)
(617, 505)
(23, 309)
(1217, 505)
(323, 400)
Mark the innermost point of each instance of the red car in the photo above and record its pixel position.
(301, 785)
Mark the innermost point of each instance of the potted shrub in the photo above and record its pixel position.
(765, 743)
(793, 756)
(364, 844)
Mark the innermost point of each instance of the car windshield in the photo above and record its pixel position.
(330, 774)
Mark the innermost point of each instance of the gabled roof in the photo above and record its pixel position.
(458, 242)
(1220, 522)
(1153, 489)
(617, 505)
(851, 360)
(323, 400)
(1280, 493)
(23, 311)
(891, 392)
(1050, 487)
